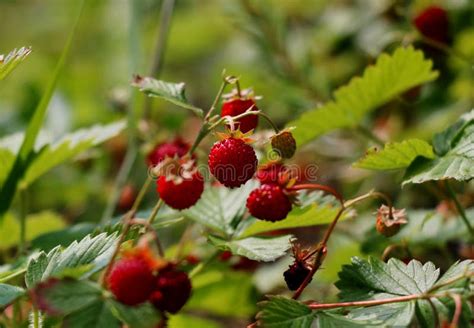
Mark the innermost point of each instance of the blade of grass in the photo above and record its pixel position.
(26, 151)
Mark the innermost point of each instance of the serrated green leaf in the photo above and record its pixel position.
(95, 315)
(390, 76)
(8, 190)
(96, 251)
(10, 61)
(387, 315)
(172, 92)
(397, 155)
(63, 297)
(219, 207)
(141, 316)
(67, 147)
(282, 312)
(9, 294)
(374, 279)
(316, 209)
(258, 249)
(456, 145)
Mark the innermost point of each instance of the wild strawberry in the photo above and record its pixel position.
(236, 104)
(389, 225)
(177, 147)
(131, 281)
(232, 162)
(295, 275)
(284, 144)
(433, 23)
(270, 172)
(172, 290)
(269, 203)
(181, 195)
(179, 184)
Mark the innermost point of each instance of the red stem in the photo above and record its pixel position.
(319, 306)
(315, 186)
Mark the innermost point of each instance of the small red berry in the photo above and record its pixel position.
(295, 275)
(177, 147)
(270, 173)
(237, 106)
(269, 203)
(180, 193)
(232, 162)
(131, 281)
(172, 290)
(433, 23)
(225, 256)
(284, 144)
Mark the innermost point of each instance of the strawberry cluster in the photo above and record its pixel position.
(136, 279)
(232, 161)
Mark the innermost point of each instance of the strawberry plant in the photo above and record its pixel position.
(342, 213)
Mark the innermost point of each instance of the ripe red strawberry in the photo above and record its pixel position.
(295, 275)
(269, 203)
(127, 197)
(284, 144)
(180, 193)
(270, 173)
(433, 23)
(172, 290)
(131, 281)
(237, 106)
(177, 147)
(232, 162)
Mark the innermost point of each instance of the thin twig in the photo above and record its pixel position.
(326, 306)
(457, 312)
(459, 207)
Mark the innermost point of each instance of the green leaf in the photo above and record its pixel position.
(62, 297)
(210, 286)
(172, 92)
(10, 61)
(456, 146)
(395, 314)
(258, 249)
(141, 316)
(397, 155)
(282, 312)
(390, 76)
(9, 294)
(7, 193)
(219, 207)
(36, 224)
(96, 251)
(67, 147)
(7, 158)
(316, 209)
(374, 279)
(95, 315)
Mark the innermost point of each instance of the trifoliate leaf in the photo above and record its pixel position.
(397, 155)
(258, 249)
(95, 315)
(390, 76)
(455, 148)
(10, 61)
(96, 251)
(172, 92)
